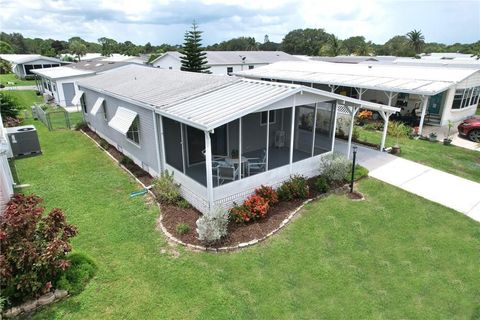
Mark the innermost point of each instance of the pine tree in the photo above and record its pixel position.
(193, 59)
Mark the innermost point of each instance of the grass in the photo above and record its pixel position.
(455, 160)
(11, 77)
(392, 256)
(478, 111)
(25, 98)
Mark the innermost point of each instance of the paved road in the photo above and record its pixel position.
(446, 189)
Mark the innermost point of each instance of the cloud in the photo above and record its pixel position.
(159, 21)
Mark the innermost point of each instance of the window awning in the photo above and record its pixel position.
(76, 98)
(122, 120)
(97, 106)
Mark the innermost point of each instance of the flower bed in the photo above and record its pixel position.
(261, 215)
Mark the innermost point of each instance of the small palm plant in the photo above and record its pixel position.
(399, 131)
(447, 141)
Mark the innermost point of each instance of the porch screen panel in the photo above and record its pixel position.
(254, 142)
(279, 142)
(173, 143)
(324, 127)
(195, 154)
(304, 123)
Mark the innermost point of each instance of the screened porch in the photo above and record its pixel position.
(253, 144)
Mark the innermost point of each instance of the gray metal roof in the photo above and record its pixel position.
(153, 86)
(236, 57)
(98, 65)
(203, 101)
(416, 80)
(25, 58)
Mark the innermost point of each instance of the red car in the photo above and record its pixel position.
(470, 128)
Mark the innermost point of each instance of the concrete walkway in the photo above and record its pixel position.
(446, 189)
(19, 88)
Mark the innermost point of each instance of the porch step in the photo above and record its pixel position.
(433, 118)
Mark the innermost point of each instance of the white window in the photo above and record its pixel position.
(263, 119)
(133, 133)
(104, 109)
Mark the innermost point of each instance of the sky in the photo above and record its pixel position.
(165, 21)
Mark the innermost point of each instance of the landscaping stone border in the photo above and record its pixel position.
(172, 238)
(32, 305)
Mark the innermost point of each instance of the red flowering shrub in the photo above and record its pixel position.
(268, 194)
(254, 208)
(257, 205)
(33, 248)
(240, 213)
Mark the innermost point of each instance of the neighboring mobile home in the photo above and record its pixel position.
(221, 136)
(226, 62)
(60, 83)
(436, 94)
(24, 64)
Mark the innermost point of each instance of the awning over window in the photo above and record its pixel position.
(122, 120)
(97, 106)
(76, 98)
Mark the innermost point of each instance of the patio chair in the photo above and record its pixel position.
(226, 172)
(257, 164)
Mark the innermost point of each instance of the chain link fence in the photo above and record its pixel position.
(57, 118)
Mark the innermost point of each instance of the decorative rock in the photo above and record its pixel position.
(29, 306)
(46, 299)
(12, 312)
(59, 294)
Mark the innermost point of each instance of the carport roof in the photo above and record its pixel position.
(408, 79)
(201, 100)
(61, 72)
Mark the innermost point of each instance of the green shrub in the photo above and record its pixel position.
(335, 167)
(360, 172)
(126, 161)
(182, 203)
(321, 184)
(82, 125)
(294, 188)
(8, 106)
(75, 278)
(166, 189)
(373, 126)
(182, 228)
(104, 144)
(212, 227)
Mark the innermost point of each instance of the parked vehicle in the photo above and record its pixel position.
(470, 128)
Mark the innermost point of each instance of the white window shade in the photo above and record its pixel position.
(76, 98)
(97, 106)
(122, 120)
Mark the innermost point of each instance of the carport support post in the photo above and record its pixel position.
(353, 111)
(424, 111)
(385, 117)
(208, 165)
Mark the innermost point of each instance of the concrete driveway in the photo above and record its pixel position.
(446, 189)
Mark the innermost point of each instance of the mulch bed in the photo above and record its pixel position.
(237, 232)
(355, 195)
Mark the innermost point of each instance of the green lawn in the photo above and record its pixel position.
(455, 160)
(25, 98)
(11, 77)
(478, 111)
(391, 256)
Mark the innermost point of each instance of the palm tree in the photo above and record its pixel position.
(416, 40)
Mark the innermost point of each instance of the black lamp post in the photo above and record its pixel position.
(353, 167)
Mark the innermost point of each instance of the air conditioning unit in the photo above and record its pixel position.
(24, 141)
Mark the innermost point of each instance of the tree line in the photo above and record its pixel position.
(307, 41)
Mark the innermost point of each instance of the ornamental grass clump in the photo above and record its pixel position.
(33, 248)
(167, 191)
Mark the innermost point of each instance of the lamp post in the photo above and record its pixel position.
(353, 167)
